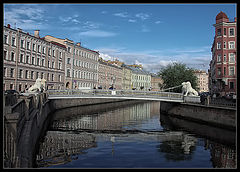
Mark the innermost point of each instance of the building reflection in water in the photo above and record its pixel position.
(60, 147)
(220, 142)
(118, 119)
(222, 156)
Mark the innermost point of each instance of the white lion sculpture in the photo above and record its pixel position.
(40, 85)
(188, 90)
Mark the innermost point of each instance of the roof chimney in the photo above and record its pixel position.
(9, 26)
(78, 44)
(36, 33)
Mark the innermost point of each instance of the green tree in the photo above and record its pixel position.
(177, 73)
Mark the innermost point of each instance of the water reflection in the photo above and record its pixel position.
(128, 118)
(131, 136)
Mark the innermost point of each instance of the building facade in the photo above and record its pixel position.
(222, 72)
(156, 83)
(141, 80)
(81, 64)
(109, 75)
(202, 80)
(28, 57)
(127, 76)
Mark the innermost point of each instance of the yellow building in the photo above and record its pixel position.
(127, 76)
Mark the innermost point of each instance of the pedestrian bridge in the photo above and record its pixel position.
(119, 94)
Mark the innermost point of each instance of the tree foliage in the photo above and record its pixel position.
(177, 73)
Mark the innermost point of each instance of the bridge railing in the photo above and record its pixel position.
(123, 93)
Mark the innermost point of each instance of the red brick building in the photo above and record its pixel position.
(222, 72)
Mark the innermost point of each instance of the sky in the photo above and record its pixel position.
(153, 35)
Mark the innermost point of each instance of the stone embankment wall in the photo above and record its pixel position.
(24, 122)
(218, 116)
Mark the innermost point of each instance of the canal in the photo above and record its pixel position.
(132, 136)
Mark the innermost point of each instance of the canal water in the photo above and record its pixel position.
(135, 135)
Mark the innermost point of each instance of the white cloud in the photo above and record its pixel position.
(97, 33)
(26, 18)
(158, 22)
(121, 14)
(90, 25)
(106, 56)
(132, 20)
(142, 16)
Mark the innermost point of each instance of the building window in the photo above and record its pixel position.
(231, 32)
(53, 53)
(5, 72)
(33, 47)
(28, 45)
(37, 74)
(68, 72)
(59, 78)
(27, 59)
(13, 41)
(219, 32)
(33, 60)
(41, 75)
(20, 73)
(32, 73)
(60, 55)
(26, 74)
(39, 48)
(12, 56)
(68, 60)
(218, 45)
(231, 85)
(224, 58)
(224, 71)
(52, 77)
(20, 87)
(48, 76)
(22, 43)
(43, 62)
(59, 65)
(38, 61)
(5, 39)
(43, 50)
(69, 49)
(21, 58)
(219, 58)
(231, 70)
(224, 45)
(224, 31)
(5, 55)
(231, 57)
(231, 45)
(52, 64)
(219, 71)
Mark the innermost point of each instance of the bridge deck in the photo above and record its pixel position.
(116, 94)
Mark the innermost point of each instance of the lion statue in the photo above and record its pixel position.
(188, 90)
(40, 85)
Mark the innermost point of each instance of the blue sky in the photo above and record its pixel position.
(153, 35)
